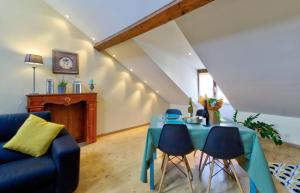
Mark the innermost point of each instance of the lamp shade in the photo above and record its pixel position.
(33, 59)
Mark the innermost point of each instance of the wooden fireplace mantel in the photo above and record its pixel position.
(76, 111)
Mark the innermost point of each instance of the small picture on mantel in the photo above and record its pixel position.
(64, 62)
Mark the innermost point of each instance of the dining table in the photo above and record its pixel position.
(253, 161)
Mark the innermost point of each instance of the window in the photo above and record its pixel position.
(207, 86)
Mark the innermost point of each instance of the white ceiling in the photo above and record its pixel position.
(251, 48)
(169, 49)
(102, 18)
(133, 57)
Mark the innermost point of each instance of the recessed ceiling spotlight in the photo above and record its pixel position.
(94, 39)
(190, 53)
(67, 16)
(131, 69)
(157, 91)
(114, 55)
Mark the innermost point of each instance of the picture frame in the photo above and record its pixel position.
(64, 62)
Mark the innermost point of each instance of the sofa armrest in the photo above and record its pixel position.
(66, 156)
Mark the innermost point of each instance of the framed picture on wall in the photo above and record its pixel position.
(64, 62)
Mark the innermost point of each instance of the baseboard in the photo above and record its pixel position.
(121, 130)
(292, 145)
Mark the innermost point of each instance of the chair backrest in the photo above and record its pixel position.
(200, 112)
(175, 140)
(224, 143)
(10, 123)
(173, 111)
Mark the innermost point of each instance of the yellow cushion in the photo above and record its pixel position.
(34, 137)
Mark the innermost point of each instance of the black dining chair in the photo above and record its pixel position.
(200, 112)
(175, 141)
(173, 111)
(223, 143)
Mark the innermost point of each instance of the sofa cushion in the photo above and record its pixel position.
(7, 155)
(10, 123)
(26, 174)
(34, 137)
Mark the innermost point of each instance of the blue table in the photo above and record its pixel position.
(254, 161)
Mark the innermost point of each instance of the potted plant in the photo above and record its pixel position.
(264, 129)
(62, 87)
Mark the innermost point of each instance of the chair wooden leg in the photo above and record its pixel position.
(203, 165)
(187, 171)
(190, 174)
(201, 157)
(228, 169)
(236, 177)
(195, 152)
(163, 161)
(164, 172)
(212, 164)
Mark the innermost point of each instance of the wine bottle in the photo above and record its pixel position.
(206, 114)
(190, 108)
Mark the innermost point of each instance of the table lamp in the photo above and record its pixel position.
(34, 60)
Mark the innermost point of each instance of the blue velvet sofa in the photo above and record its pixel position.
(55, 172)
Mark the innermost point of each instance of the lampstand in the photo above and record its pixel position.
(34, 60)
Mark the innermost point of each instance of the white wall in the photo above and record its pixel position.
(288, 127)
(32, 26)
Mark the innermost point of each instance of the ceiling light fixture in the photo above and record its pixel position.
(190, 53)
(94, 39)
(114, 55)
(145, 81)
(67, 16)
(131, 69)
(157, 91)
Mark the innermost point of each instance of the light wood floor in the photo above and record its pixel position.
(112, 165)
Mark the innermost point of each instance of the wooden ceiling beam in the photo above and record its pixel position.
(167, 13)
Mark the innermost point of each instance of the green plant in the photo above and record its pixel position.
(265, 130)
(62, 83)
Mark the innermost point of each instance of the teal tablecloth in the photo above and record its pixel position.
(255, 163)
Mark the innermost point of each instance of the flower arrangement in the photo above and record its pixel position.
(213, 106)
(212, 103)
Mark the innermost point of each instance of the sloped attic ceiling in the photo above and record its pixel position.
(133, 57)
(102, 18)
(251, 48)
(169, 49)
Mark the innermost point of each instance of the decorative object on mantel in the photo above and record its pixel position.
(34, 60)
(92, 85)
(288, 175)
(264, 129)
(64, 62)
(77, 86)
(49, 86)
(213, 106)
(62, 86)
